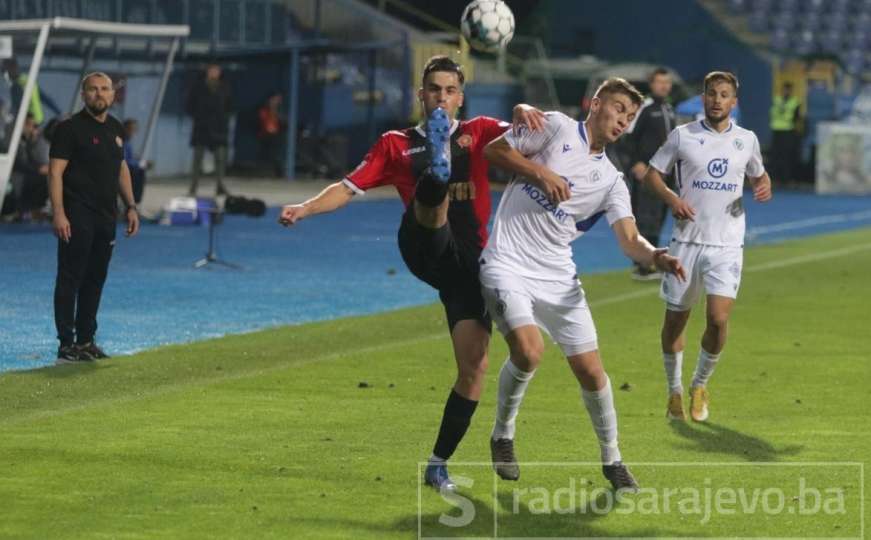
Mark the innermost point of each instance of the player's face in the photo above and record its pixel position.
(441, 89)
(660, 86)
(611, 115)
(98, 94)
(719, 100)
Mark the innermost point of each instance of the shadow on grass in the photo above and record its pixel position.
(523, 517)
(717, 438)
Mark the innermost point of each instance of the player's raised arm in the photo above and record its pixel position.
(500, 153)
(331, 198)
(637, 248)
(679, 207)
(761, 188)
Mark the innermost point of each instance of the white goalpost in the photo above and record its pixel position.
(62, 27)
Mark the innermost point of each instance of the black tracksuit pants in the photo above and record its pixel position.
(82, 264)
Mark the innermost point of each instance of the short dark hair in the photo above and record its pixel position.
(619, 85)
(443, 63)
(658, 71)
(720, 76)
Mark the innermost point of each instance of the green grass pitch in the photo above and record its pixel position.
(271, 434)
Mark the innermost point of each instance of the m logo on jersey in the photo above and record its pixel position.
(717, 167)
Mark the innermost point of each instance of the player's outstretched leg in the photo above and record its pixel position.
(599, 402)
(431, 194)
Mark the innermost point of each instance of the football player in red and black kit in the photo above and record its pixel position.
(440, 172)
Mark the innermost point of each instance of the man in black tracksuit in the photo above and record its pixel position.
(654, 122)
(86, 172)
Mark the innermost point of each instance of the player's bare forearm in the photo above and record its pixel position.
(633, 245)
(637, 248)
(56, 170)
(331, 198)
(654, 181)
(505, 156)
(762, 188)
(125, 184)
(679, 207)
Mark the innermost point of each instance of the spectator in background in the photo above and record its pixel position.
(210, 104)
(785, 119)
(137, 168)
(17, 81)
(654, 122)
(271, 126)
(29, 177)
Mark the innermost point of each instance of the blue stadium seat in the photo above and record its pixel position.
(805, 43)
(739, 5)
(784, 20)
(780, 40)
(831, 40)
(835, 22)
(758, 22)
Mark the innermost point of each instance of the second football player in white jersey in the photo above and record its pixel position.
(565, 183)
(710, 158)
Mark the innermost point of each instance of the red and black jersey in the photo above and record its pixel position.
(398, 158)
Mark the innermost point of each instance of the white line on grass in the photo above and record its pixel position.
(753, 232)
(385, 346)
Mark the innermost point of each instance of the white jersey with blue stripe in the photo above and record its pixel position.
(531, 236)
(709, 169)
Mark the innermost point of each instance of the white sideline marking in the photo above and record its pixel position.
(752, 232)
(385, 346)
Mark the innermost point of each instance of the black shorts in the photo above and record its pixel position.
(438, 259)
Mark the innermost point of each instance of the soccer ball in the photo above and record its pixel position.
(488, 25)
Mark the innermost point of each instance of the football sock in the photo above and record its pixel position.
(430, 192)
(673, 363)
(455, 421)
(704, 368)
(512, 387)
(600, 406)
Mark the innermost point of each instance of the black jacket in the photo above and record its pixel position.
(654, 122)
(210, 108)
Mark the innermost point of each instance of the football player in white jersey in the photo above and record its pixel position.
(563, 185)
(710, 158)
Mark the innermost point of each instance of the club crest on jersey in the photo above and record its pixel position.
(717, 167)
(595, 176)
(566, 147)
(464, 141)
(739, 144)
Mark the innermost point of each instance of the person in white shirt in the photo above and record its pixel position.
(563, 185)
(710, 158)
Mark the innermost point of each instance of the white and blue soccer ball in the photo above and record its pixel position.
(488, 25)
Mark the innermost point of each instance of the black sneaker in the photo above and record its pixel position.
(70, 354)
(504, 461)
(91, 351)
(621, 479)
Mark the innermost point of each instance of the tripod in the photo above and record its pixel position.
(216, 217)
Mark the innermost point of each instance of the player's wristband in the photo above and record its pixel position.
(132, 207)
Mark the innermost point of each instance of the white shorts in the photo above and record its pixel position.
(717, 269)
(558, 307)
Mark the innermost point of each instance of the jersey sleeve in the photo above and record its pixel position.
(371, 172)
(618, 204)
(491, 128)
(664, 158)
(755, 168)
(530, 143)
(62, 142)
